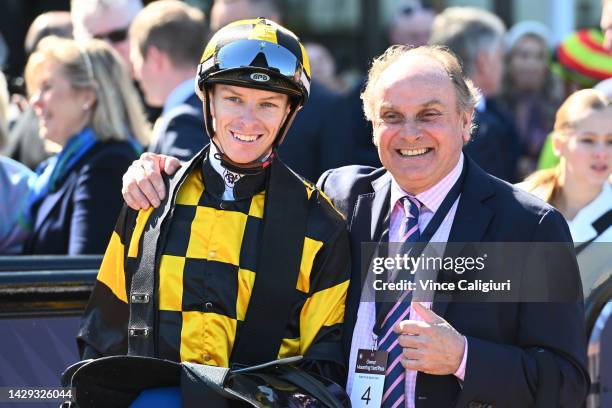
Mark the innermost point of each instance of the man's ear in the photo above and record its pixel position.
(466, 125)
(208, 95)
(157, 58)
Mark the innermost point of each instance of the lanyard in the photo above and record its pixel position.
(383, 308)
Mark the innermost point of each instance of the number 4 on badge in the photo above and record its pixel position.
(366, 396)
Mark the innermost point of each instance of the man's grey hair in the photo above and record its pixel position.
(467, 31)
(79, 9)
(467, 96)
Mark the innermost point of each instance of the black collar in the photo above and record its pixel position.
(246, 187)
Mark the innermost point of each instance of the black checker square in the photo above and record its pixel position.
(178, 236)
(292, 331)
(251, 244)
(170, 327)
(209, 282)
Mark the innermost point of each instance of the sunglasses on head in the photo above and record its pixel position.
(114, 36)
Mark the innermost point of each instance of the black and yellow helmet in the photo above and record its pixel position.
(240, 51)
(258, 54)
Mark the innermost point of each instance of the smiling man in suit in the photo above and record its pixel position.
(444, 353)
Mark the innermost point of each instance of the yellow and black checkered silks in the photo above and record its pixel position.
(206, 274)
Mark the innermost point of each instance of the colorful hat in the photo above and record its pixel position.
(581, 58)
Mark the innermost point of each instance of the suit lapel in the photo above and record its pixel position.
(380, 205)
(471, 219)
(365, 226)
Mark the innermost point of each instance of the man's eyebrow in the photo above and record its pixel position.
(427, 104)
(231, 90)
(274, 97)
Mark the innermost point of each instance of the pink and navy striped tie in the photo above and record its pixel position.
(393, 394)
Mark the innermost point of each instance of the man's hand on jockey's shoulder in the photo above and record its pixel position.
(143, 185)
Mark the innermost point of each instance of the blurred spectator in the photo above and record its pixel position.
(529, 89)
(56, 23)
(411, 24)
(110, 20)
(14, 179)
(24, 144)
(606, 22)
(107, 20)
(318, 139)
(323, 66)
(224, 12)
(166, 40)
(476, 35)
(581, 62)
(85, 102)
(578, 186)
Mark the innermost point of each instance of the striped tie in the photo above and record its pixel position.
(393, 394)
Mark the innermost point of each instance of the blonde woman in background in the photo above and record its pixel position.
(579, 185)
(14, 178)
(86, 104)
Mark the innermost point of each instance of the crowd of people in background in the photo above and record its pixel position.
(110, 79)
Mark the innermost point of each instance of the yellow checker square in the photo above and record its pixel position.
(191, 337)
(191, 190)
(111, 270)
(171, 283)
(207, 338)
(246, 279)
(323, 308)
(141, 221)
(226, 237)
(289, 348)
(311, 248)
(201, 230)
(257, 205)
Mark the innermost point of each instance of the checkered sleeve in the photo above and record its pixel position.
(103, 329)
(322, 316)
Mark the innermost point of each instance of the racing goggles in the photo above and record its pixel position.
(257, 54)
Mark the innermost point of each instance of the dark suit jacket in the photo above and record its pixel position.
(79, 216)
(181, 132)
(318, 139)
(501, 368)
(495, 144)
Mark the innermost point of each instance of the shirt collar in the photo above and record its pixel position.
(581, 227)
(431, 198)
(178, 95)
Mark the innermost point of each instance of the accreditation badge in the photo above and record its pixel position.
(369, 378)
